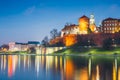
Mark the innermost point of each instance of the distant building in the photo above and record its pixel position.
(22, 46)
(12, 46)
(110, 25)
(15, 46)
(33, 44)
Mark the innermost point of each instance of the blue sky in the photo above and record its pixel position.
(24, 20)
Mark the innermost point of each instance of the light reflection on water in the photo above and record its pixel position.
(22, 67)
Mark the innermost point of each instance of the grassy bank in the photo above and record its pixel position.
(86, 50)
(16, 52)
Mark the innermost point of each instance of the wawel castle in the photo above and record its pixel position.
(84, 25)
(85, 28)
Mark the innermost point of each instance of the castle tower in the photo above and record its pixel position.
(83, 24)
(92, 25)
(92, 19)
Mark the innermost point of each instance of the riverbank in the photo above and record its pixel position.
(88, 50)
(82, 51)
(15, 52)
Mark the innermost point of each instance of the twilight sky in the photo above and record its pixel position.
(26, 20)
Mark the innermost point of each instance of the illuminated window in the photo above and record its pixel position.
(104, 28)
(113, 28)
(110, 28)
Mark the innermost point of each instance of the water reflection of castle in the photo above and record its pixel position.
(77, 68)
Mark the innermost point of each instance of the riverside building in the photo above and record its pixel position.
(110, 25)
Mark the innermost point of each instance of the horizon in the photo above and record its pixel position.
(29, 20)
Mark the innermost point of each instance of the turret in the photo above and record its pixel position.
(83, 24)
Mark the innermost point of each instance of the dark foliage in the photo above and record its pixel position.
(59, 44)
(54, 33)
(45, 41)
(5, 46)
(31, 50)
(84, 42)
(107, 44)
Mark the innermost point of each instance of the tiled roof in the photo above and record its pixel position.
(20, 43)
(83, 17)
(110, 19)
(33, 42)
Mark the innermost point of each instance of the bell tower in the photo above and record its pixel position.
(92, 25)
(92, 19)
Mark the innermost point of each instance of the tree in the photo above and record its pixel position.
(85, 40)
(32, 50)
(59, 33)
(117, 41)
(5, 47)
(107, 44)
(58, 44)
(54, 33)
(45, 41)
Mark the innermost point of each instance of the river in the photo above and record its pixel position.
(34, 67)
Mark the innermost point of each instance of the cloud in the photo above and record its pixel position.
(29, 10)
(114, 7)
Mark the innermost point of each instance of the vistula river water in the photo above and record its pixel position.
(34, 67)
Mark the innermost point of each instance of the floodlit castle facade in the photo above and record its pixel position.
(84, 25)
(70, 29)
(72, 34)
